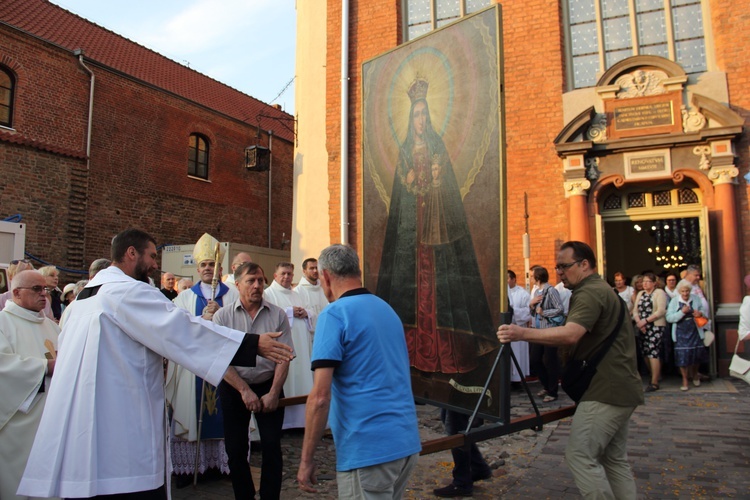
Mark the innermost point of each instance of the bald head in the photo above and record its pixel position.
(240, 259)
(24, 295)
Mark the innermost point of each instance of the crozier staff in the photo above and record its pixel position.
(102, 431)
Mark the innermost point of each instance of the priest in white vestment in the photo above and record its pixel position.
(299, 381)
(183, 388)
(313, 296)
(519, 298)
(28, 345)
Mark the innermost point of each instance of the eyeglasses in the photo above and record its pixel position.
(16, 261)
(36, 288)
(561, 268)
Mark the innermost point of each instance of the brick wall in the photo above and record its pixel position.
(138, 168)
(730, 25)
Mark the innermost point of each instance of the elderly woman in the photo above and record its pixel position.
(648, 315)
(54, 304)
(689, 351)
(546, 309)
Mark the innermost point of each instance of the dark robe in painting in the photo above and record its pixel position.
(429, 272)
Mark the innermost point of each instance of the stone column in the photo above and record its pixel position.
(727, 232)
(576, 192)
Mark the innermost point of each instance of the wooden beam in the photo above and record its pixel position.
(525, 422)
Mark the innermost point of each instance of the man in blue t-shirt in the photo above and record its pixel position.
(362, 387)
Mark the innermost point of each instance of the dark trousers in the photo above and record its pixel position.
(544, 362)
(159, 493)
(236, 423)
(466, 463)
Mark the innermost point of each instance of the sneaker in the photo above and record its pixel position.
(452, 491)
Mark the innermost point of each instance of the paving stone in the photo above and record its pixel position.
(680, 446)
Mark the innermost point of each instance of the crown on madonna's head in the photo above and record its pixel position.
(418, 89)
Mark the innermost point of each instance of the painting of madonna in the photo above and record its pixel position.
(428, 269)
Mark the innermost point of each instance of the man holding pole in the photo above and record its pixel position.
(184, 389)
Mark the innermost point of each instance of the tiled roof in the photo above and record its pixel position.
(25, 141)
(61, 27)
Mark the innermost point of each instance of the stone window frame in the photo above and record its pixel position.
(9, 92)
(442, 12)
(197, 168)
(670, 10)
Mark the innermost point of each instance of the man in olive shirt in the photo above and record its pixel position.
(597, 448)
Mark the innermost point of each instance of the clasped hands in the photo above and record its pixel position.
(265, 404)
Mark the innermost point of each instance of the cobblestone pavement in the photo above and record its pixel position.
(693, 444)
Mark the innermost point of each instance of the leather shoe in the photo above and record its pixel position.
(481, 476)
(452, 491)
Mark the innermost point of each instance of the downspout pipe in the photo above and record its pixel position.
(79, 53)
(344, 121)
(270, 183)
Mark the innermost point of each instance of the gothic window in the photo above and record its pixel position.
(423, 16)
(198, 156)
(601, 33)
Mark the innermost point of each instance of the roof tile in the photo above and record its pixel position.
(70, 31)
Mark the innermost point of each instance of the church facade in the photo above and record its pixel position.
(625, 126)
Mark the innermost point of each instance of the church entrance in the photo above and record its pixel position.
(651, 228)
(660, 245)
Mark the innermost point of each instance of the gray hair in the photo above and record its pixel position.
(340, 260)
(97, 266)
(684, 284)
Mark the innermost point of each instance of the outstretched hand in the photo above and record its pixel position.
(273, 349)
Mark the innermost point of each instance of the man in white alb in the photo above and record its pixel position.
(28, 345)
(310, 290)
(299, 381)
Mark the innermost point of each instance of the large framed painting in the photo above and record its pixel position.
(433, 204)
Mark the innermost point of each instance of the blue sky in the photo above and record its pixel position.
(247, 44)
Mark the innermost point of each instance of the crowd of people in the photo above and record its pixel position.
(83, 414)
(671, 317)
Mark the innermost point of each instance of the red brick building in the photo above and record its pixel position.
(98, 133)
(574, 72)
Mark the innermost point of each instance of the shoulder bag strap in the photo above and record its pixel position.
(611, 339)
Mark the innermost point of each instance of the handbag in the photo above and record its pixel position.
(579, 373)
(701, 322)
(558, 320)
(739, 367)
(708, 338)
